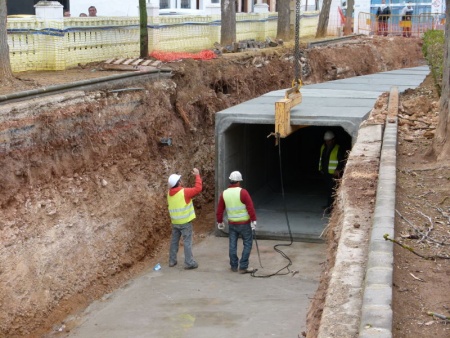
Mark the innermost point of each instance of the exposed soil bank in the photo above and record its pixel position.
(84, 175)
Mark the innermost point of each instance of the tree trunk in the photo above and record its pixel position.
(441, 144)
(143, 36)
(349, 23)
(283, 28)
(228, 24)
(323, 19)
(6, 74)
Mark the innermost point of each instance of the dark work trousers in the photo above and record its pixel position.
(330, 184)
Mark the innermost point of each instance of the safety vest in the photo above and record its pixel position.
(333, 161)
(236, 210)
(180, 212)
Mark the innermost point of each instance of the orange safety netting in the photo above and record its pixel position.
(174, 56)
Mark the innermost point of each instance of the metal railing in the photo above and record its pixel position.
(419, 24)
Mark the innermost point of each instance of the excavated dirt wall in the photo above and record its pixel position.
(83, 175)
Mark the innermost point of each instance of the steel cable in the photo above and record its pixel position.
(287, 221)
(297, 44)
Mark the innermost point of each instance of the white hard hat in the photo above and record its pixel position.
(235, 176)
(329, 135)
(173, 180)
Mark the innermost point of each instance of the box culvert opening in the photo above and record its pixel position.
(247, 148)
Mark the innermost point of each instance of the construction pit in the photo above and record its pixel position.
(85, 172)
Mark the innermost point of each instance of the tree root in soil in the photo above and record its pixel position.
(386, 237)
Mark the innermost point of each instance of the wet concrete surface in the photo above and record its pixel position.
(213, 301)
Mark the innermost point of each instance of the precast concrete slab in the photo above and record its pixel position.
(212, 301)
(283, 180)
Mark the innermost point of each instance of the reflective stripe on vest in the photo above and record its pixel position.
(333, 161)
(236, 210)
(180, 212)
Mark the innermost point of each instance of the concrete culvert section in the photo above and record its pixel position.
(265, 167)
(243, 143)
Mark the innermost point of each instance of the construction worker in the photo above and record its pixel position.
(241, 221)
(383, 14)
(405, 23)
(331, 164)
(181, 210)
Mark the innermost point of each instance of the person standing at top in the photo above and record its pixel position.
(331, 166)
(405, 16)
(181, 210)
(383, 15)
(66, 13)
(92, 11)
(241, 221)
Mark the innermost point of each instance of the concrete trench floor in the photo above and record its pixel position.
(212, 300)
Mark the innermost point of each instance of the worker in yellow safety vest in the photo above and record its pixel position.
(241, 221)
(331, 165)
(181, 210)
(406, 23)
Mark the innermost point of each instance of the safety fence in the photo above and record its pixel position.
(61, 44)
(396, 25)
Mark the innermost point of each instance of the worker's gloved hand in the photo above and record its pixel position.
(220, 226)
(253, 225)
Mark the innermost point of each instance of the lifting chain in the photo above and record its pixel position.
(297, 80)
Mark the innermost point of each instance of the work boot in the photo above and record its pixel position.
(191, 267)
(248, 270)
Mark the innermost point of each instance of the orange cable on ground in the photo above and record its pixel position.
(175, 56)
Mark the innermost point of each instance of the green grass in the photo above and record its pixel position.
(433, 50)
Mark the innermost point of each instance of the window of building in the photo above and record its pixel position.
(185, 4)
(164, 4)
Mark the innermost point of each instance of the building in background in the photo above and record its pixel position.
(131, 7)
(15, 7)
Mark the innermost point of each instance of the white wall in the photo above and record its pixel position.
(360, 6)
(105, 7)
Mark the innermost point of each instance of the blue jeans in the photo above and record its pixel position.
(184, 230)
(245, 230)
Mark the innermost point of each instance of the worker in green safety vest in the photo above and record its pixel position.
(331, 166)
(241, 221)
(181, 210)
